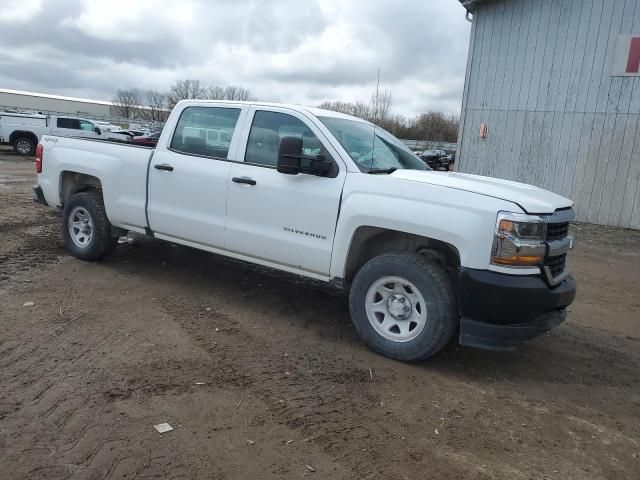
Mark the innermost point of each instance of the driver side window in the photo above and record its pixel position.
(268, 128)
(87, 126)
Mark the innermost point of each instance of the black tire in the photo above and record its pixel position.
(100, 243)
(435, 287)
(24, 146)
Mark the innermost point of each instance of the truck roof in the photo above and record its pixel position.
(22, 114)
(318, 112)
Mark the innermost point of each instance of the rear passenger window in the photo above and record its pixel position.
(72, 123)
(266, 131)
(205, 131)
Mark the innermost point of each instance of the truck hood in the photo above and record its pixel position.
(531, 199)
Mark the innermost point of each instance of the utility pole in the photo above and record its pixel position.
(377, 98)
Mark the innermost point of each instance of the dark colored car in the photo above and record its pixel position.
(437, 159)
(148, 141)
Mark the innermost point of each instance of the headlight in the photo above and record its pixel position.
(519, 240)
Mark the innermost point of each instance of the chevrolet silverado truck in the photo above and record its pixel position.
(422, 255)
(23, 130)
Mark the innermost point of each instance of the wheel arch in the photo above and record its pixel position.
(74, 182)
(16, 134)
(368, 242)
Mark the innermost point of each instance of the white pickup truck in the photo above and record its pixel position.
(423, 255)
(23, 131)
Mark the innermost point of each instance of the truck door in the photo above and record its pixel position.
(73, 127)
(88, 129)
(188, 175)
(285, 219)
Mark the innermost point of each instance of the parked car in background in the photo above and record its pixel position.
(436, 159)
(423, 256)
(147, 140)
(447, 161)
(23, 131)
(211, 137)
(133, 133)
(108, 126)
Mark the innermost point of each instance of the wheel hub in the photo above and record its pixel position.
(23, 147)
(80, 227)
(399, 306)
(396, 308)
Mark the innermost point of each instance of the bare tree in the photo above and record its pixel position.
(188, 89)
(127, 102)
(338, 106)
(153, 105)
(377, 111)
(156, 106)
(436, 126)
(215, 93)
(363, 110)
(380, 105)
(185, 90)
(233, 92)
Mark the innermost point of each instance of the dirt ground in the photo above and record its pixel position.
(263, 376)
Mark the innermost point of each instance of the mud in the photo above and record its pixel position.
(262, 375)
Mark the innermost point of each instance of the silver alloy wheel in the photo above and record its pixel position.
(80, 227)
(396, 309)
(23, 146)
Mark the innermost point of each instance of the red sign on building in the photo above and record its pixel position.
(627, 56)
(633, 62)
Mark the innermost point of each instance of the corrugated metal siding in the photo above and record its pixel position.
(539, 75)
(54, 104)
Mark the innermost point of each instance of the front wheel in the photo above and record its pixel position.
(87, 231)
(403, 306)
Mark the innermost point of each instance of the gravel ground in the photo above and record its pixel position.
(262, 375)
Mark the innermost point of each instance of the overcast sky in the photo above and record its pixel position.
(296, 51)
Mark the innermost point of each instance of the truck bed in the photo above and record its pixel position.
(121, 168)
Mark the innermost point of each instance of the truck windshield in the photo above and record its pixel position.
(372, 148)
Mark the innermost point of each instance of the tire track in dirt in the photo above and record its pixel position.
(328, 399)
(80, 398)
(46, 405)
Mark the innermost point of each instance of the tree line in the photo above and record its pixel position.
(152, 105)
(432, 125)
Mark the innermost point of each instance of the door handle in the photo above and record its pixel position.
(163, 166)
(247, 180)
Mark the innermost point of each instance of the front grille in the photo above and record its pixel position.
(557, 231)
(556, 264)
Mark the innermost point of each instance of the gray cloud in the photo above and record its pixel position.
(285, 50)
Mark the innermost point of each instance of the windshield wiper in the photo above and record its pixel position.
(382, 170)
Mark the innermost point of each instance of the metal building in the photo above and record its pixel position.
(21, 100)
(552, 98)
(57, 104)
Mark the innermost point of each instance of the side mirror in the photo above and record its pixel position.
(98, 131)
(291, 161)
(290, 155)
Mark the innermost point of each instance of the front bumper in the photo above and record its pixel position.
(39, 195)
(500, 311)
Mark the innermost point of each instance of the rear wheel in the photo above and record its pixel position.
(403, 306)
(24, 146)
(87, 231)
